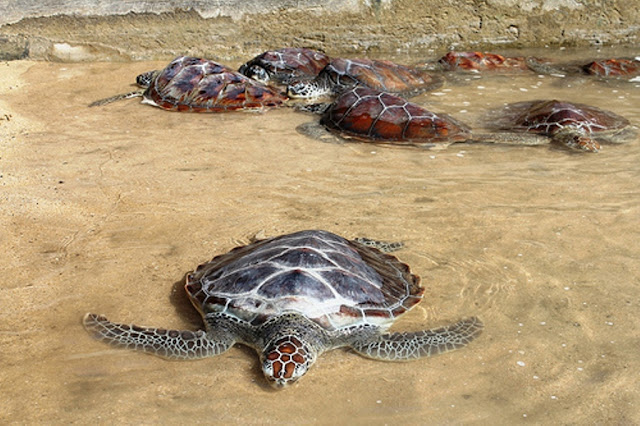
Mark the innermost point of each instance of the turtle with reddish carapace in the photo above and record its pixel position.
(342, 74)
(280, 67)
(482, 61)
(370, 115)
(577, 126)
(292, 298)
(605, 69)
(201, 85)
(614, 68)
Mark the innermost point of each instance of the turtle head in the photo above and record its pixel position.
(255, 72)
(144, 80)
(306, 89)
(285, 360)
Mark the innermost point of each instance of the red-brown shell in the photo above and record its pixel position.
(202, 85)
(286, 64)
(369, 114)
(482, 61)
(549, 116)
(378, 74)
(614, 67)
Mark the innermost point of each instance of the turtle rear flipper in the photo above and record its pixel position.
(170, 344)
(383, 246)
(420, 344)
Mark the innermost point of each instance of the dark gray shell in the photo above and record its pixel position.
(332, 281)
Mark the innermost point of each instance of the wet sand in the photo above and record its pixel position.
(106, 209)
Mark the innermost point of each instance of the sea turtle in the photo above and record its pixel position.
(611, 68)
(368, 114)
(280, 67)
(481, 61)
(341, 74)
(575, 125)
(200, 85)
(614, 67)
(292, 298)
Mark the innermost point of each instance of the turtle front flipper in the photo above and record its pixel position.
(408, 346)
(171, 344)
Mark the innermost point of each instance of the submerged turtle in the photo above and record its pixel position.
(614, 67)
(280, 67)
(574, 125)
(370, 115)
(292, 298)
(481, 61)
(341, 74)
(201, 85)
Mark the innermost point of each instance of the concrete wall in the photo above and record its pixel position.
(230, 29)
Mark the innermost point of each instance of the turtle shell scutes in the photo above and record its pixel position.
(368, 114)
(332, 281)
(379, 74)
(202, 85)
(550, 116)
(284, 65)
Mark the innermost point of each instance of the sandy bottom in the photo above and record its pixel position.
(106, 209)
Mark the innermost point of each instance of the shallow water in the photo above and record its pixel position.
(105, 210)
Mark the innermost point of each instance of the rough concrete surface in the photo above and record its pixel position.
(84, 30)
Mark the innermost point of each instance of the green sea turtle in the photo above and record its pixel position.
(292, 298)
(280, 67)
(341, 74)
(369, 115)
(200, 85)
(577, 126)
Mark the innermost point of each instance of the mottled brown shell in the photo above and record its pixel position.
(368, 114)
(285, 65)
(549, 116)
(614, 67)
(201, 85)
(332, 281)
(482, 61)
(385, 76)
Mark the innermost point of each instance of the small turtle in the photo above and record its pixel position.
(280, 67)
(370, 115)
(481, 61)
(341, 74)
(614, 67)
(292, 298)
(574, 125)
(200, 85)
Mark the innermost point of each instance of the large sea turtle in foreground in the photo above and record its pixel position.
(292, 298)
(280, 67)
(201, 85)
(341, 74)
